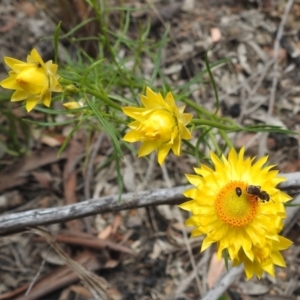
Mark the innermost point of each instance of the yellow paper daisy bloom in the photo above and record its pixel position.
(33, 80)
(264, 258)
(160, 125)
(238, 206)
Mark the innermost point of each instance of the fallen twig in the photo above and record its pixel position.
(12, 223)
(88, 241)
(17, 222)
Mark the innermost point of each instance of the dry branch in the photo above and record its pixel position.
(12, 223)
(17, 222)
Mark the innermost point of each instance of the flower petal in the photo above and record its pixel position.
(147, 147)
(163, 152)
(31, 103)
(18, 96)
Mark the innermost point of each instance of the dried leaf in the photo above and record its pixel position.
(95, 284)
(215, 270)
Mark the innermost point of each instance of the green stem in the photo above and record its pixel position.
(226, 139)
(65, 81)
(102, 97)
(90, 91)
(214, 124)
(106, 41)
(197, 107)
(212, 82)
(213, 140)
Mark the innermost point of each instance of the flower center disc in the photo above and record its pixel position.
(234, 206)
(159, 126)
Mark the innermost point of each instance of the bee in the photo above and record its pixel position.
(255, 190)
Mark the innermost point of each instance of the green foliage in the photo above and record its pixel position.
(226, 258)
(115, 78)
(14, 132)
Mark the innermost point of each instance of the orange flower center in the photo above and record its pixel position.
(234, 206)
(158, 126)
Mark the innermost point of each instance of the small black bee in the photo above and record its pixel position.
(255, 190)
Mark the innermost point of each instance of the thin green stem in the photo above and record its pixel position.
(198, 108)
(213, 140)
(212, 82)
(226, 139)
(105, 40)
(102, 97)
(65, 81)
(214, 124)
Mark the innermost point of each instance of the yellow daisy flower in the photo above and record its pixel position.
(33, 80)
(160, 125)
(237, 206)
(264, 259)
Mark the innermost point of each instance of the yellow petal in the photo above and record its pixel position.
(10, 83)
(186, 118)
(206, 243)
(181, 109)
(283, 244)
(18, 96)
(170, 100)
(47, 99)
(269, 267)
(156, 99)
(185, 134)
(176, 148)
(277, 259)
(249, 269)
(187, 205)
(192, 221)
(35, 57)
(162, 153)
(194, 179)
(136, 113)
(193, 194)
(217, 162)
(31, 103)
(12, 62)
(132, 136)
(52, 68)
(196, 232)
(149, 103)
(147, 147)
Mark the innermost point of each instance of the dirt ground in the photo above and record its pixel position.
(142, 253)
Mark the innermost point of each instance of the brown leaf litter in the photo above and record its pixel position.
(142, 253)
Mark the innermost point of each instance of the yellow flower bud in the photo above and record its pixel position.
(160, 125)
(33, 81)
(71, 105)
(71, 89)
